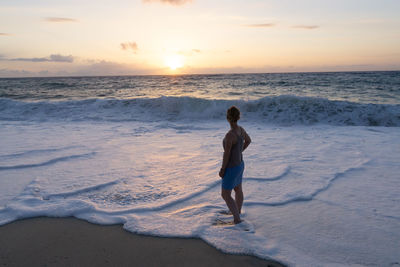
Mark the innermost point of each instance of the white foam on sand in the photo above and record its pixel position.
(322, 195)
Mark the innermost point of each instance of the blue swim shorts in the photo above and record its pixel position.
(233, 177)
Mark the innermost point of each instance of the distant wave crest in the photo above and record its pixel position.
(280, 110)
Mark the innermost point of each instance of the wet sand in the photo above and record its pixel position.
(72, 242)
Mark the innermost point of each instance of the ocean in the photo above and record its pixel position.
(321, 183)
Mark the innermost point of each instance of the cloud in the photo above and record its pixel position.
(57, 19)
(51, 58)
(31, 59)
(262, 25)
(171, 2)
(130, 46)
(98, 68)
(8, 73)
(306, 27)
(60, 58)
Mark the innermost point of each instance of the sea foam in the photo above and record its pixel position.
(311, 193)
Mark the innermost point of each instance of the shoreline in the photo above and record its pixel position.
(44, 241)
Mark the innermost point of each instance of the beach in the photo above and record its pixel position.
(72, 242)
(115, 130)
(321, 178)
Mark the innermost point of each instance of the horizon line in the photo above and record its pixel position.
(196, 74)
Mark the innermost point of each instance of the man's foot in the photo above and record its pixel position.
(227, 212)
(237, 221)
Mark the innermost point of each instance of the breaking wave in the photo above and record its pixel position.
(281, 110)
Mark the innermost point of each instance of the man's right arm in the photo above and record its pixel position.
(247, 140)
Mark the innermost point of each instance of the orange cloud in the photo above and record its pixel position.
(130, 46)
(56, 19)
(51, 58)
(262, 25)
(307, 27)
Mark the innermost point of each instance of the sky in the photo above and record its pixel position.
(121, 37)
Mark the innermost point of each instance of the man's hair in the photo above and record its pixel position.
(233, 114)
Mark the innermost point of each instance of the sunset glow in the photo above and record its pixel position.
(174, 61)
(61, 38)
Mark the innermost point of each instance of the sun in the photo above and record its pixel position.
(174, 61)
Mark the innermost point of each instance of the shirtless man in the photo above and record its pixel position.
(234, 143)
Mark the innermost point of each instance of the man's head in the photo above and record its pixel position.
(233, 114)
